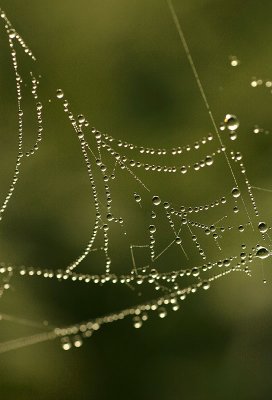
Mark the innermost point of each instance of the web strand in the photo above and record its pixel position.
(202, 92)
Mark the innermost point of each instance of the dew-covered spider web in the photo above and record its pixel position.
(153, 231)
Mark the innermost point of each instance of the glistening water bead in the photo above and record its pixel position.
(81, 119)
(209, 160)
(137, 198)
(231, 122)
(234, 62)
(262, 227)
(137, 322)
(12, 33)
(235, 192)
(262, 253)
(152, 228)
(60, 94)
(162, 312)
(156, 200)
(233, 135)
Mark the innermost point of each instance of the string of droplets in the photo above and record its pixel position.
(13, 37)
(155, 151)
(171, 292)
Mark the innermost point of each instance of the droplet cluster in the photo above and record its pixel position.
(191, 233)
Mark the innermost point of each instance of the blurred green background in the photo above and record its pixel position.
(121, 64)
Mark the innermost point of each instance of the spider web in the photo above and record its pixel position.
(208, 239)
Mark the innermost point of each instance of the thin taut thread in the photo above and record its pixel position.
(202, 92)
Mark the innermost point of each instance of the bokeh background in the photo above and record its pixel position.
(121, 64)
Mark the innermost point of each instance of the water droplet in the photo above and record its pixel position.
(162, 312)
(137, 198)
(152, 228)
(233, 135)
(208, 160)
(262, 227)
(81, 118)
(137, 322)
(12, 33)
(60, 94)
(241, 228)
(231, 122)
(195, 271)
(154, 273)
(175, 307)
(66, 343)
(235, 192)
(254, 82)
(78, 341)
(234, 62)
(262, 253)
(156, 200)
(178, 240)
(206, 285)
(109, 217)
(222, 126)
(144, 316)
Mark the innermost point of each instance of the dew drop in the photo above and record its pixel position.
(222, 126)
(235, 192)
(152, 228)
(144, 316)
(154, 273)
(175, 307)
(162, 312)
(195, 271)
(254, 82)
(156, 200)
(234, 62)
(78, 341)
(81, 119)
(206, 285)
(262, 227)
(60, 94)
(137, 198)
(66, 343)
(233, 135)
(241, 228)
(109, 217)
(231, 122)
(12, 33)
(178, 240)
(137, 322)
(262, 253)
(208, 160)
